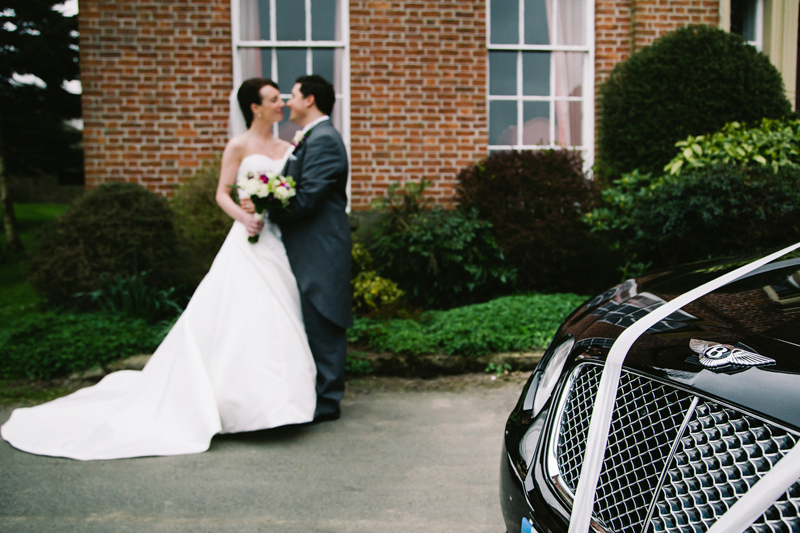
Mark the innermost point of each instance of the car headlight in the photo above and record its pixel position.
(546, 375)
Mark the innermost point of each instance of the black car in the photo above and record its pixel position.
(665, 404)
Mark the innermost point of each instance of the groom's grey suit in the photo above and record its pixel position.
(316, 234)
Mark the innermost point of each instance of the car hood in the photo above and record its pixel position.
(758, 313)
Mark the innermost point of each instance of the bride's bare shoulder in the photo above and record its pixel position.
(237, 146)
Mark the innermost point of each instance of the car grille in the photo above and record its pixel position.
(673, 462)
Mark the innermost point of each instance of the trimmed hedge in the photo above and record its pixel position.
(115, 229)
(689, 82)
(535, 201)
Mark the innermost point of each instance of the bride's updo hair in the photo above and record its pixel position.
(249, 93)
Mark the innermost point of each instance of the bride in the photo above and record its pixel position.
(236, 360)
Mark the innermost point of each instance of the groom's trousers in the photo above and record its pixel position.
(328, 344)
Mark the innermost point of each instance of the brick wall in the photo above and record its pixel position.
(624, 27)
(156, 76)
(418, 89)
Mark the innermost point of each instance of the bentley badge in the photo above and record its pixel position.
(715, 354)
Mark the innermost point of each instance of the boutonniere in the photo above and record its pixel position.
(300, 138)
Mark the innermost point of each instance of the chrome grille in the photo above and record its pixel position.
(718, 457)
(647, 417)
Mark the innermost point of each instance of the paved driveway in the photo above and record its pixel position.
(422, 460)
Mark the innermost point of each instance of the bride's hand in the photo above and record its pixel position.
(247, 205)
(253, 225)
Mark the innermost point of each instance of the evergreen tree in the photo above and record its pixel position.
(38, 40)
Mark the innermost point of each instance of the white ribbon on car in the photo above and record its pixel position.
(607, 391)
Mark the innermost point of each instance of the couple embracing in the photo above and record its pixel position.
(262, 342)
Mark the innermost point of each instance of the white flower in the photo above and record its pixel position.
(262, 189)
(250, 186)
(283, 193)
(298, 136)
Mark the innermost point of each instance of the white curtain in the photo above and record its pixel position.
(565, 20)
(251, 31)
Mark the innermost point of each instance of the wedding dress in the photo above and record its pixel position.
(236, 360)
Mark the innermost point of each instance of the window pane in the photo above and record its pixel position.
(290, 20)
(504, 22)
(254, 20)
(256, 63)
(502, 73)
(291, 65)
(569, 73)
(536, 129)
(322, 63)
(536, 23)
(323, 20)
(502, 123)
(536, 73)
(743, 18)
(569, 118)
(571, 22)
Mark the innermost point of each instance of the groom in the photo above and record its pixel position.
(316, 234)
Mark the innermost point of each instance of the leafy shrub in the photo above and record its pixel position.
(774, 143)
(43, 346)
(199, 221)
(117, 228)
(357, 365)
(702, 213)
(509, 323)
(689, 82)
(132, 296)
(371, 293)
(534, 201)
(439, 258)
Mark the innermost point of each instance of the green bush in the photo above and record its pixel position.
(440, 258)
(707, 212)
(774, 143)
(689, 82)
(505, 324)
(534, 201)
(133, 296)
(116, 229)
(47, 345)
(201, 224)
(372, 294)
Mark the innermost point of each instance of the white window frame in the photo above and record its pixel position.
(342, 97)
(758, 43)
(587, 99)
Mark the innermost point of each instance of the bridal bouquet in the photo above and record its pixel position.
(267, 190)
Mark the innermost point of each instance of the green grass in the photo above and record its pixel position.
(16, 295)
(507, 324)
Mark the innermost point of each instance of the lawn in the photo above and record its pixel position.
(16, 295)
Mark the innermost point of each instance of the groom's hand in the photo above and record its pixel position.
(247, 205)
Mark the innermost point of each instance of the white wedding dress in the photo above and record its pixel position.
(236, 360)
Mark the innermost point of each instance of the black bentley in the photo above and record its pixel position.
(666, 403)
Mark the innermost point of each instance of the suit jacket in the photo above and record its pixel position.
(315, 228)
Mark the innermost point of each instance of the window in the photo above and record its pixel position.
(285, 39)
(541, 75)
(746, 20)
